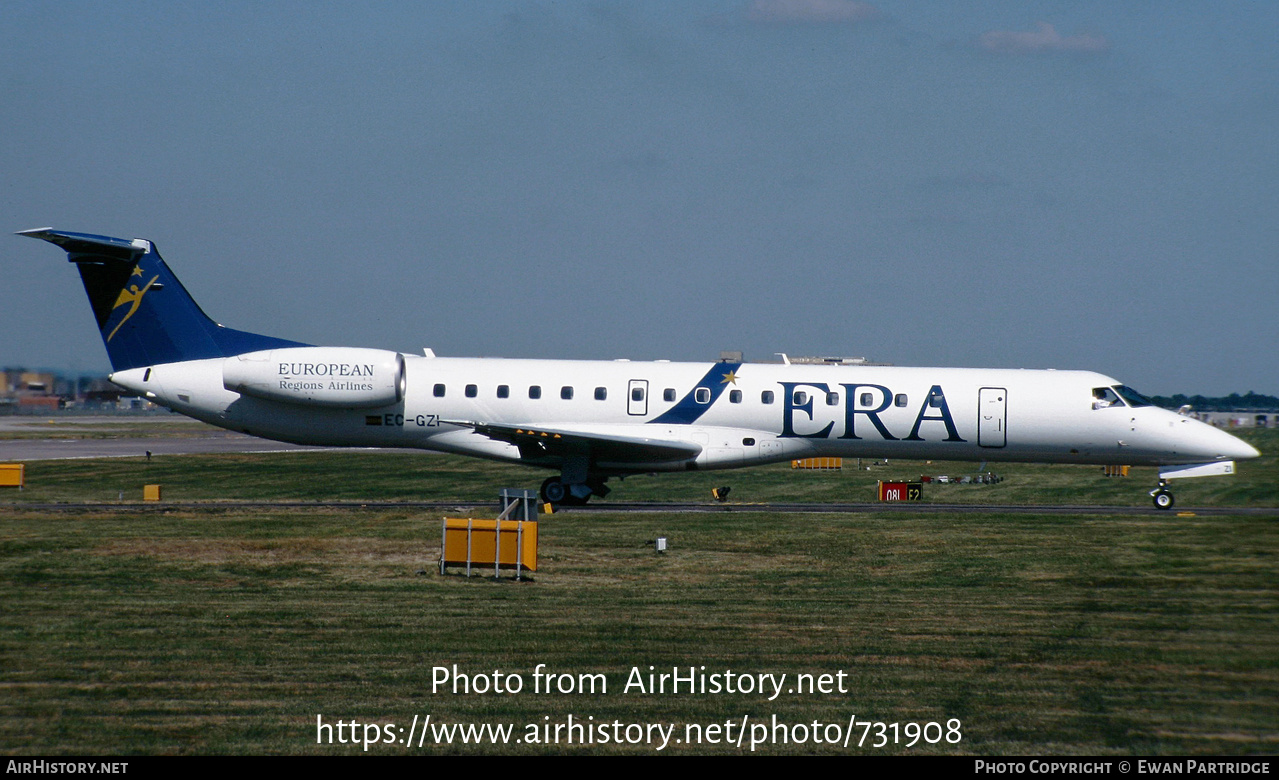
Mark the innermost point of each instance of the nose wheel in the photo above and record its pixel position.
(1162, 497)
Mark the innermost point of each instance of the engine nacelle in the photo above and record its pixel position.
(341, 377)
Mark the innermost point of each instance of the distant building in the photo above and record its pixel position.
(30, 392)
(19, 381)
(39, 404)
(24, 391)
(1238, 419)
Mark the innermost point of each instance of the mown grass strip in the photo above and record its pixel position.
(229, 631)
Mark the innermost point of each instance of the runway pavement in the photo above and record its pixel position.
(64, 437)
(59, 449)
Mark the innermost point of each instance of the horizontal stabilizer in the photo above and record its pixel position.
(87, 244)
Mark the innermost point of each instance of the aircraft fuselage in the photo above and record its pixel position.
(735, 413)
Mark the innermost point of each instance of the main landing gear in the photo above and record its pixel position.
(1163, 498)
(560, 493)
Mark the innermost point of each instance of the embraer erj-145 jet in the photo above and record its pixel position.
(592, 420)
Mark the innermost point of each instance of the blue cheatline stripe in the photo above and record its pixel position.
(688, 410)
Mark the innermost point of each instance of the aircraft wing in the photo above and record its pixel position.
(563, 442)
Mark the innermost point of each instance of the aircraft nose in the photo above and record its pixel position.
(1243, 450)
(1222, 446)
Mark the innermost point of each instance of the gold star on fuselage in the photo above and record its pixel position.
(137, 270)
(731, 376)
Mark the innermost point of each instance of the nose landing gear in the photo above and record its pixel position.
(1162, 497)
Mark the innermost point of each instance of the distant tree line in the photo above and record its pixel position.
(1229, 403)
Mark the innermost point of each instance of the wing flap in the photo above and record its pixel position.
(563, 442)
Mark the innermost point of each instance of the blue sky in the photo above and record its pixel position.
(1019, 184)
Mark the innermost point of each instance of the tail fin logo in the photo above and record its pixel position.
(131, 297)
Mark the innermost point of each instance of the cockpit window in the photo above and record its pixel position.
(1133, 397)
(1104, 398)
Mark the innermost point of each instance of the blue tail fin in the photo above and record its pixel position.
(145, 314)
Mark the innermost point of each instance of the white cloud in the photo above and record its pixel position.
(1044, 39)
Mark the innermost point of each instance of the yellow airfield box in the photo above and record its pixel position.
(13, 475)
(819, 464)
(502, 544)
(150, 492)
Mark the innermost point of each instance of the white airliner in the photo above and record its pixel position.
(592, 420)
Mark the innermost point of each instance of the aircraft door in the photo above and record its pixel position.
(637, 397)
(992, 417)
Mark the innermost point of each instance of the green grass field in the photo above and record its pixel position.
(224, 630)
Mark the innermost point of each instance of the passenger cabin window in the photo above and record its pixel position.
(472, 391)
(735, 396)
(832, 399)
(900, 400)
(637, 394)
(503, 391)
(703, 395)
(601, 393)
(748, 442)
(867, 399)
(935, 400)
(439, 391)
(668, 394)
(766, 397)
(1104, 398)
(800, 398)
(566, 393)
(535, 391)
